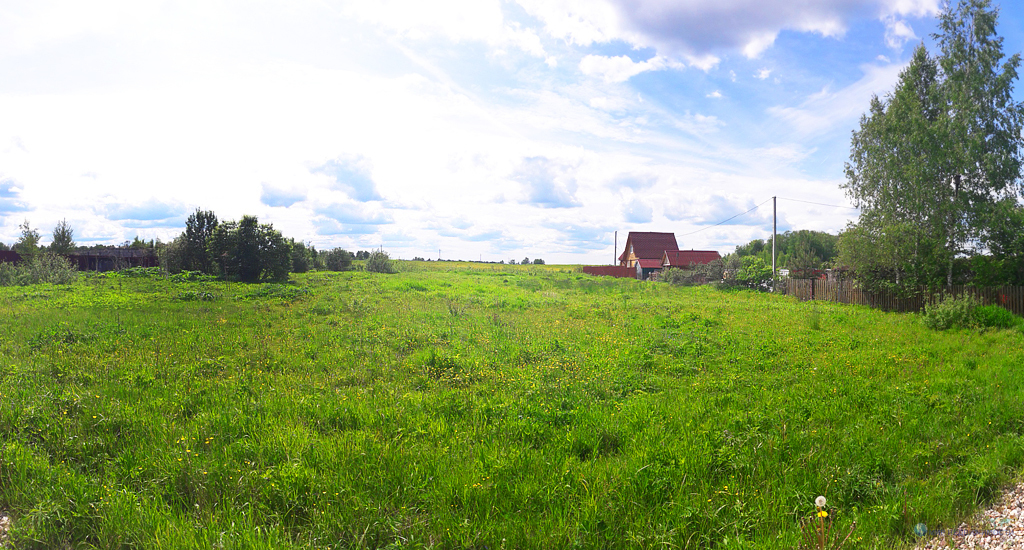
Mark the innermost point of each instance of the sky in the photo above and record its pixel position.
(463, 129)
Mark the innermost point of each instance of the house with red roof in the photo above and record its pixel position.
(642, 245)
(650, 252)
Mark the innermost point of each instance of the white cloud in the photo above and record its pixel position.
(897, 32)
(715, 94)
(455, 20)
(758, 44)
(694, 29)
(621, 68)
(763, 74)
(826, 109)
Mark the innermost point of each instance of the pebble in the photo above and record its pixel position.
(1001, 527)
(5, 524)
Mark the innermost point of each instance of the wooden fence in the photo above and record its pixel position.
(1009, 297)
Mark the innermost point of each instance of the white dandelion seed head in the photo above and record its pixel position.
(820, 502)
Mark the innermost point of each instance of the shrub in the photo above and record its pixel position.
(951, 312)
(674, 276)
(8, 274)
(380, 262)
(995, 317)
(338, 259)
(43, 268)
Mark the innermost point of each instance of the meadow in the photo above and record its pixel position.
(462, 406)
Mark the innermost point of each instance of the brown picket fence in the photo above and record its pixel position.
(847, 292)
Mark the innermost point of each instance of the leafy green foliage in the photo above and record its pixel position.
(250, 252)
(933, 159)
(196, 240)
(754, 273)
(675, 276)
(996, 317)
(380, 262)
(28, 243)
(63, 239)
(952, 312)
(801, 250)
(338, 259)
(42, 268)
(302, 256)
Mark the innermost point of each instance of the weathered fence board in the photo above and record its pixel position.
(1009, 297)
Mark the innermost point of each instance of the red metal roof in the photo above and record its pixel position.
(649, 245)
(649, 263)
(683, 258)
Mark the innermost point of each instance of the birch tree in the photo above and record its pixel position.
(933, 158)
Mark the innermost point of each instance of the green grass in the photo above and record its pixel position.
(486, 407)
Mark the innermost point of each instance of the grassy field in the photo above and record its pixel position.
(490, 407)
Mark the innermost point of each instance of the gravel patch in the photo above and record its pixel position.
(1001, 527)
(5, 524)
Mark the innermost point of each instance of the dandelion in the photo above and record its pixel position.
(820, 501)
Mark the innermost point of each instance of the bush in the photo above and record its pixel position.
(951, 312)
(674, 276)
(338, 259)
(995, 317)
(380, 262)
(43, 268)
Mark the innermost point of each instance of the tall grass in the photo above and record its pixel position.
(515, 408)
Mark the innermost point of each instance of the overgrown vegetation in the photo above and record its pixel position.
(42, 268)
(380, 262)
(529, 407)
(959, 312)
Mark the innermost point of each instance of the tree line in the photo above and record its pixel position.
(244, 250)
(250, 251)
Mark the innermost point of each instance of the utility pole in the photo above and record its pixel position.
(615, 252)
(774, 232)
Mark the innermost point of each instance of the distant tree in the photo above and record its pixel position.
(63, 239)
(511, 262)
(338, 259)
(302, 256)
(538, 261)
(28, 244)
(4, 247)
(199, 229)
(250, 252)
(362, 255)
(171, 254)
(141, 244)
(418, 259)
(525, 261)
(380, 262)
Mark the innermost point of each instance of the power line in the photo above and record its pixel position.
(725, 220)
(820, 203)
